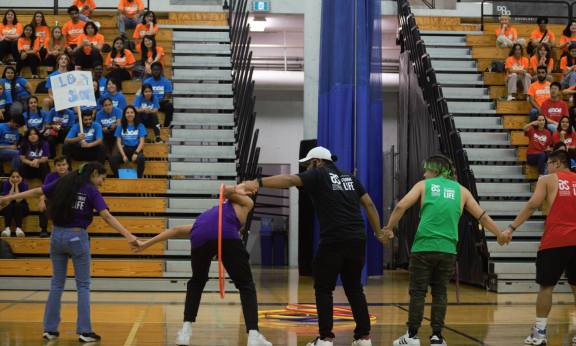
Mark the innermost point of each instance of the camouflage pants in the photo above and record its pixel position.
(434, 269)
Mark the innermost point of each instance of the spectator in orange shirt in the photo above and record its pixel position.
(147, 27)
(151, 53)
(72, 31)
(517, 67)
(568, 68)
(542, 58)
(89, 47)
(568, 37)
(86, 8)
(543, 35)
(10, 32)
(42, 33)
(538, 92)
(507, 36)
(130, 14)
(28, 51)
(55, 47)
(120, 61)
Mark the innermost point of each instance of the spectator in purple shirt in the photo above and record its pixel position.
(61, 169)
(18, 207)
(34, 153)
(73, 198)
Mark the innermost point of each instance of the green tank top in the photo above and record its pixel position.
(439, 217)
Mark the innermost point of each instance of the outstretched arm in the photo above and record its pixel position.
(412, 197)
(474, 208)
(112, 222)
(37, 192)
(533, 204)
(278, 181)
(179, 231)
(374, 218)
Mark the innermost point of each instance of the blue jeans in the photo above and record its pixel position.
(538, 160)
(66, 242)
(569, 80)
(84, 18)
(551, 127)
(10, 155)
(128, 22)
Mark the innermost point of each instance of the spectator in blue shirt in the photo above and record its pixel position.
(63, 62)
(8, 137)
(85, 146)
(19, 88)
(57, 126)
(98, 70)
(114, 92)
(147, 106)
(34, 117)
(5, 103)
(108, 118)
(130, 140)
(163, 91)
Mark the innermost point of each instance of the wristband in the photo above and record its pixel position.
(512, 227)
(259, 180)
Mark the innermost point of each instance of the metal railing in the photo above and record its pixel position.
(448, 135)
(569, 8)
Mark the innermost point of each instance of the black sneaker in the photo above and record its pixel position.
(44, 234)
(89, 337)
(51, 335)
(437, 340)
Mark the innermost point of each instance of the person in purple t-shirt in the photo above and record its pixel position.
(18, 208)
(34, 153)
(61, 169)
(73, 198)
(204, 246)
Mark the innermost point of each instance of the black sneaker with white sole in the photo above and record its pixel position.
(89, 337)
(51, 335)
(437, 340)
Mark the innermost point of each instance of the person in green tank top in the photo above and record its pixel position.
(433, 257)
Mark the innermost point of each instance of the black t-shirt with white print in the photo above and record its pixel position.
(335, 194)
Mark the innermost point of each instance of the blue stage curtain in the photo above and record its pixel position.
(350, 100)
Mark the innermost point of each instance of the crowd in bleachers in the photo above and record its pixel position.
(30, 131)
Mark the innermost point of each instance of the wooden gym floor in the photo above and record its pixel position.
(133, 318)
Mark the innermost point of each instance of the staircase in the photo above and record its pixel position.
(501, 181)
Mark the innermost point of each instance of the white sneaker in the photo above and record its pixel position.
(183, 338)
(407, 340)
(571, 100)
(97, 24)
(318, 342)
(6, 232)
(257, 339)
(511, 98)
(435, 340)
(19, 233)
(139, 92)
(362, 343)
(536, 337)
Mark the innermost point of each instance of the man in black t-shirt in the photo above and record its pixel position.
(337, 196)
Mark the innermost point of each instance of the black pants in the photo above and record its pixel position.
(109, 138)
(76, 152)
(30, 172)
(31, 60)
(7, 47)
(50, 60)
(86, 60)
(18, 210)
(235, 259)
(346, 259)
(43, 53)
(152, 122)
(167, 108)
(116, 160)
(43, 218)
(119, 74)
(52, 141)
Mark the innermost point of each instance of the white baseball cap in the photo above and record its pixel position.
(318, 153)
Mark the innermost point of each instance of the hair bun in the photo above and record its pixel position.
(334, 158)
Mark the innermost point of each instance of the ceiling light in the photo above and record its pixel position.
(258, 24)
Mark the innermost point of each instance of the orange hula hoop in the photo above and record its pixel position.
(221, 270)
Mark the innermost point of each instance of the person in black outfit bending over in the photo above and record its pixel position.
(337, 196)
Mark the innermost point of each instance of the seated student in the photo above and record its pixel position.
(10, 32)
(98, 69)
(542, 58)
(120, 61)
(539, 143)
(8, 137)
(61, 169)
(108, 118)
(57, 126)
(91, 43)
(42, 33)
(506, 35)
(17, 209)
(129, 15)
(5, 103)
(34, 117)
(55, 46)
(86, 8)
(147, 106)
(568, 68)
(151, 53)
(19, 88)
(34, 154)
(516, 71)
(162, 90)
(554, 108)
(114, 88)
(130, 143)
(147, 27)
(566, 135)
(72, 31)
(568, 37)
(538, 92)
(543, 35)
(85, 146)
(63, 61)
(562, 146)
(28, 51)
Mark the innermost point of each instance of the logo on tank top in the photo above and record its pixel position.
(435, 190)
(449, 193)
(563, 187)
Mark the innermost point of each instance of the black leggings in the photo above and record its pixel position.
(31, 172)
(235, 259)
(7, 47)
(43, 53)
(87, 60)
(167, 108)
(152, 122)
(119, 74)
(31, 60)
(52, 141)
(18, 210)
(116, 159)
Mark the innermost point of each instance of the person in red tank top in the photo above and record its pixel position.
(557, 252)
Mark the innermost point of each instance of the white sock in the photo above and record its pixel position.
(541, 323)
(187, 326)
(253, 333)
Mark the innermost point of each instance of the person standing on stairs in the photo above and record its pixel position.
(539, 92)
(163, 91)
(539, 143)
(557, 251)
(517, 71)
(506, 35)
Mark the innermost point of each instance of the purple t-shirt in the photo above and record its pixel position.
(22, 187)
(34, 152)
(205, 227)
(87, 199)
(51, 177)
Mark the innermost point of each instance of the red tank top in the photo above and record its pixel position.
(560, 223)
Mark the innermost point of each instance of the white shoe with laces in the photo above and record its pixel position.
(361, 342)
(436, 340)
(407, 340)
(257, 339)
(6, 232)
(20, 233)
(511, 98)
(536, 337)
(318, 342)
(183, 338)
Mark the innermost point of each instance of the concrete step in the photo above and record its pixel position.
(504, 190)
(202, 152)
(495, 171)
(216, 119)
(516, 249)
(449, 53)
(200, 36)
(466, 93)
(202, 89)
(190, 48)
(475, 154)
(207, 75)
(194, 135)
(478, 123)
(449, 41)
(203, 103)
(512, 267)
(512, 208)
(202, 169)
(471, 107)
(529, 229)
(200, 61)
(456, 66)
(459, 79)
(485, 138)
(197, 186)
(190, 205)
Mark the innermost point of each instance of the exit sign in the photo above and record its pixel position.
(261, 6)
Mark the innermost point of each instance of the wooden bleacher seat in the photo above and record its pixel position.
(515, 122)
(497, 78)
(43, 73)
(518, 138)
(99, 268)
(499, 53)
(152, 167)
(98, 246)
(522, 154)
(516, 107)
(118, 186)
(136, 225)
(525, 30)
(531, 172)
(124, 204)
(497, 92)
(489, 39)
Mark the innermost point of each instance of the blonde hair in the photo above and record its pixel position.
(51, 42)
(505, 16)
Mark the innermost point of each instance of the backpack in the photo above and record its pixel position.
(497, 66)
(131, 46)
(106, 48)
(138, 72)
(6, 250)
(41, 88)
(530, 46)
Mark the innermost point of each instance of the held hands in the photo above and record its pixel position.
(504, 238)
(133, 241)
(384, 236)
(141, 247)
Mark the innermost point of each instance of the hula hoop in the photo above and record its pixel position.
(308, 313)
(221, 270)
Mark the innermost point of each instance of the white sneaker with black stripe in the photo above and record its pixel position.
(51, 335)
(437, 340)
(407, 340)
(89, 337)
(536, 337)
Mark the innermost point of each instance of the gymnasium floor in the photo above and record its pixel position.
(124, 318)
